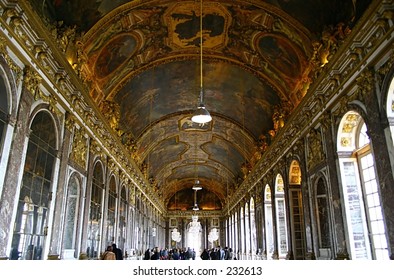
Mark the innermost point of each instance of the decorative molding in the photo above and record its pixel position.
(79, 148)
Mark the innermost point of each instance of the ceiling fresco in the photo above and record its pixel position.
(141, 63)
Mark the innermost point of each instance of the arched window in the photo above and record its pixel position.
(95, 215)
(253, 227)
(112, 195)
(281, 216)
(364, 217)
(269, 228)
(32, 215)
(3, 113)
(71, 218)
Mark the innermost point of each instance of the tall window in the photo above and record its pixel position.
(366, 229)
(3, 113)
(95, 215)
(281, 216)
(32, 215)
(269, 228)
(71, 218)
(323, 219)
(111, 212)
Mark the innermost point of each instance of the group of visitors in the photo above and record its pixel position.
(217, 253)
(172, 254)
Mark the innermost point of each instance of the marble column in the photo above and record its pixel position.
(13, 176)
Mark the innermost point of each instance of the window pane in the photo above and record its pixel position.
(34, 194)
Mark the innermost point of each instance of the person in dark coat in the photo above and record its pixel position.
(147, 254)
(118, 252)
(205, 255)
(156, 254)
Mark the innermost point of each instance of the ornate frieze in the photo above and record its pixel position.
(315, 148)
(79, 147)
(32, 80)
(4, 52)
(188, 214)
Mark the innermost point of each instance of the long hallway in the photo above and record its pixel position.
(99, 144)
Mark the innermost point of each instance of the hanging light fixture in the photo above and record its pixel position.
(196, 188)
(201, 115)
(195, 225)
(197, 185)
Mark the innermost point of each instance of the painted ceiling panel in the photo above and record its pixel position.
(141, 64)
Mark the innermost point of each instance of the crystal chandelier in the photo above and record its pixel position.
(213, 235)
(195, 225)
(175, 235)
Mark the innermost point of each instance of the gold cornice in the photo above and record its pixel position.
(188, 214)
(4, 52)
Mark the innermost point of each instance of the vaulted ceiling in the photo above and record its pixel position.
(142, 65)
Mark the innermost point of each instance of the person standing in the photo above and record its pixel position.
(118, 252)
(108, 254)
(205, 254)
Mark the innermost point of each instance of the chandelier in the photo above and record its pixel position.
(201, 115)
(195, 225)
(175, 235)
(213, 235)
